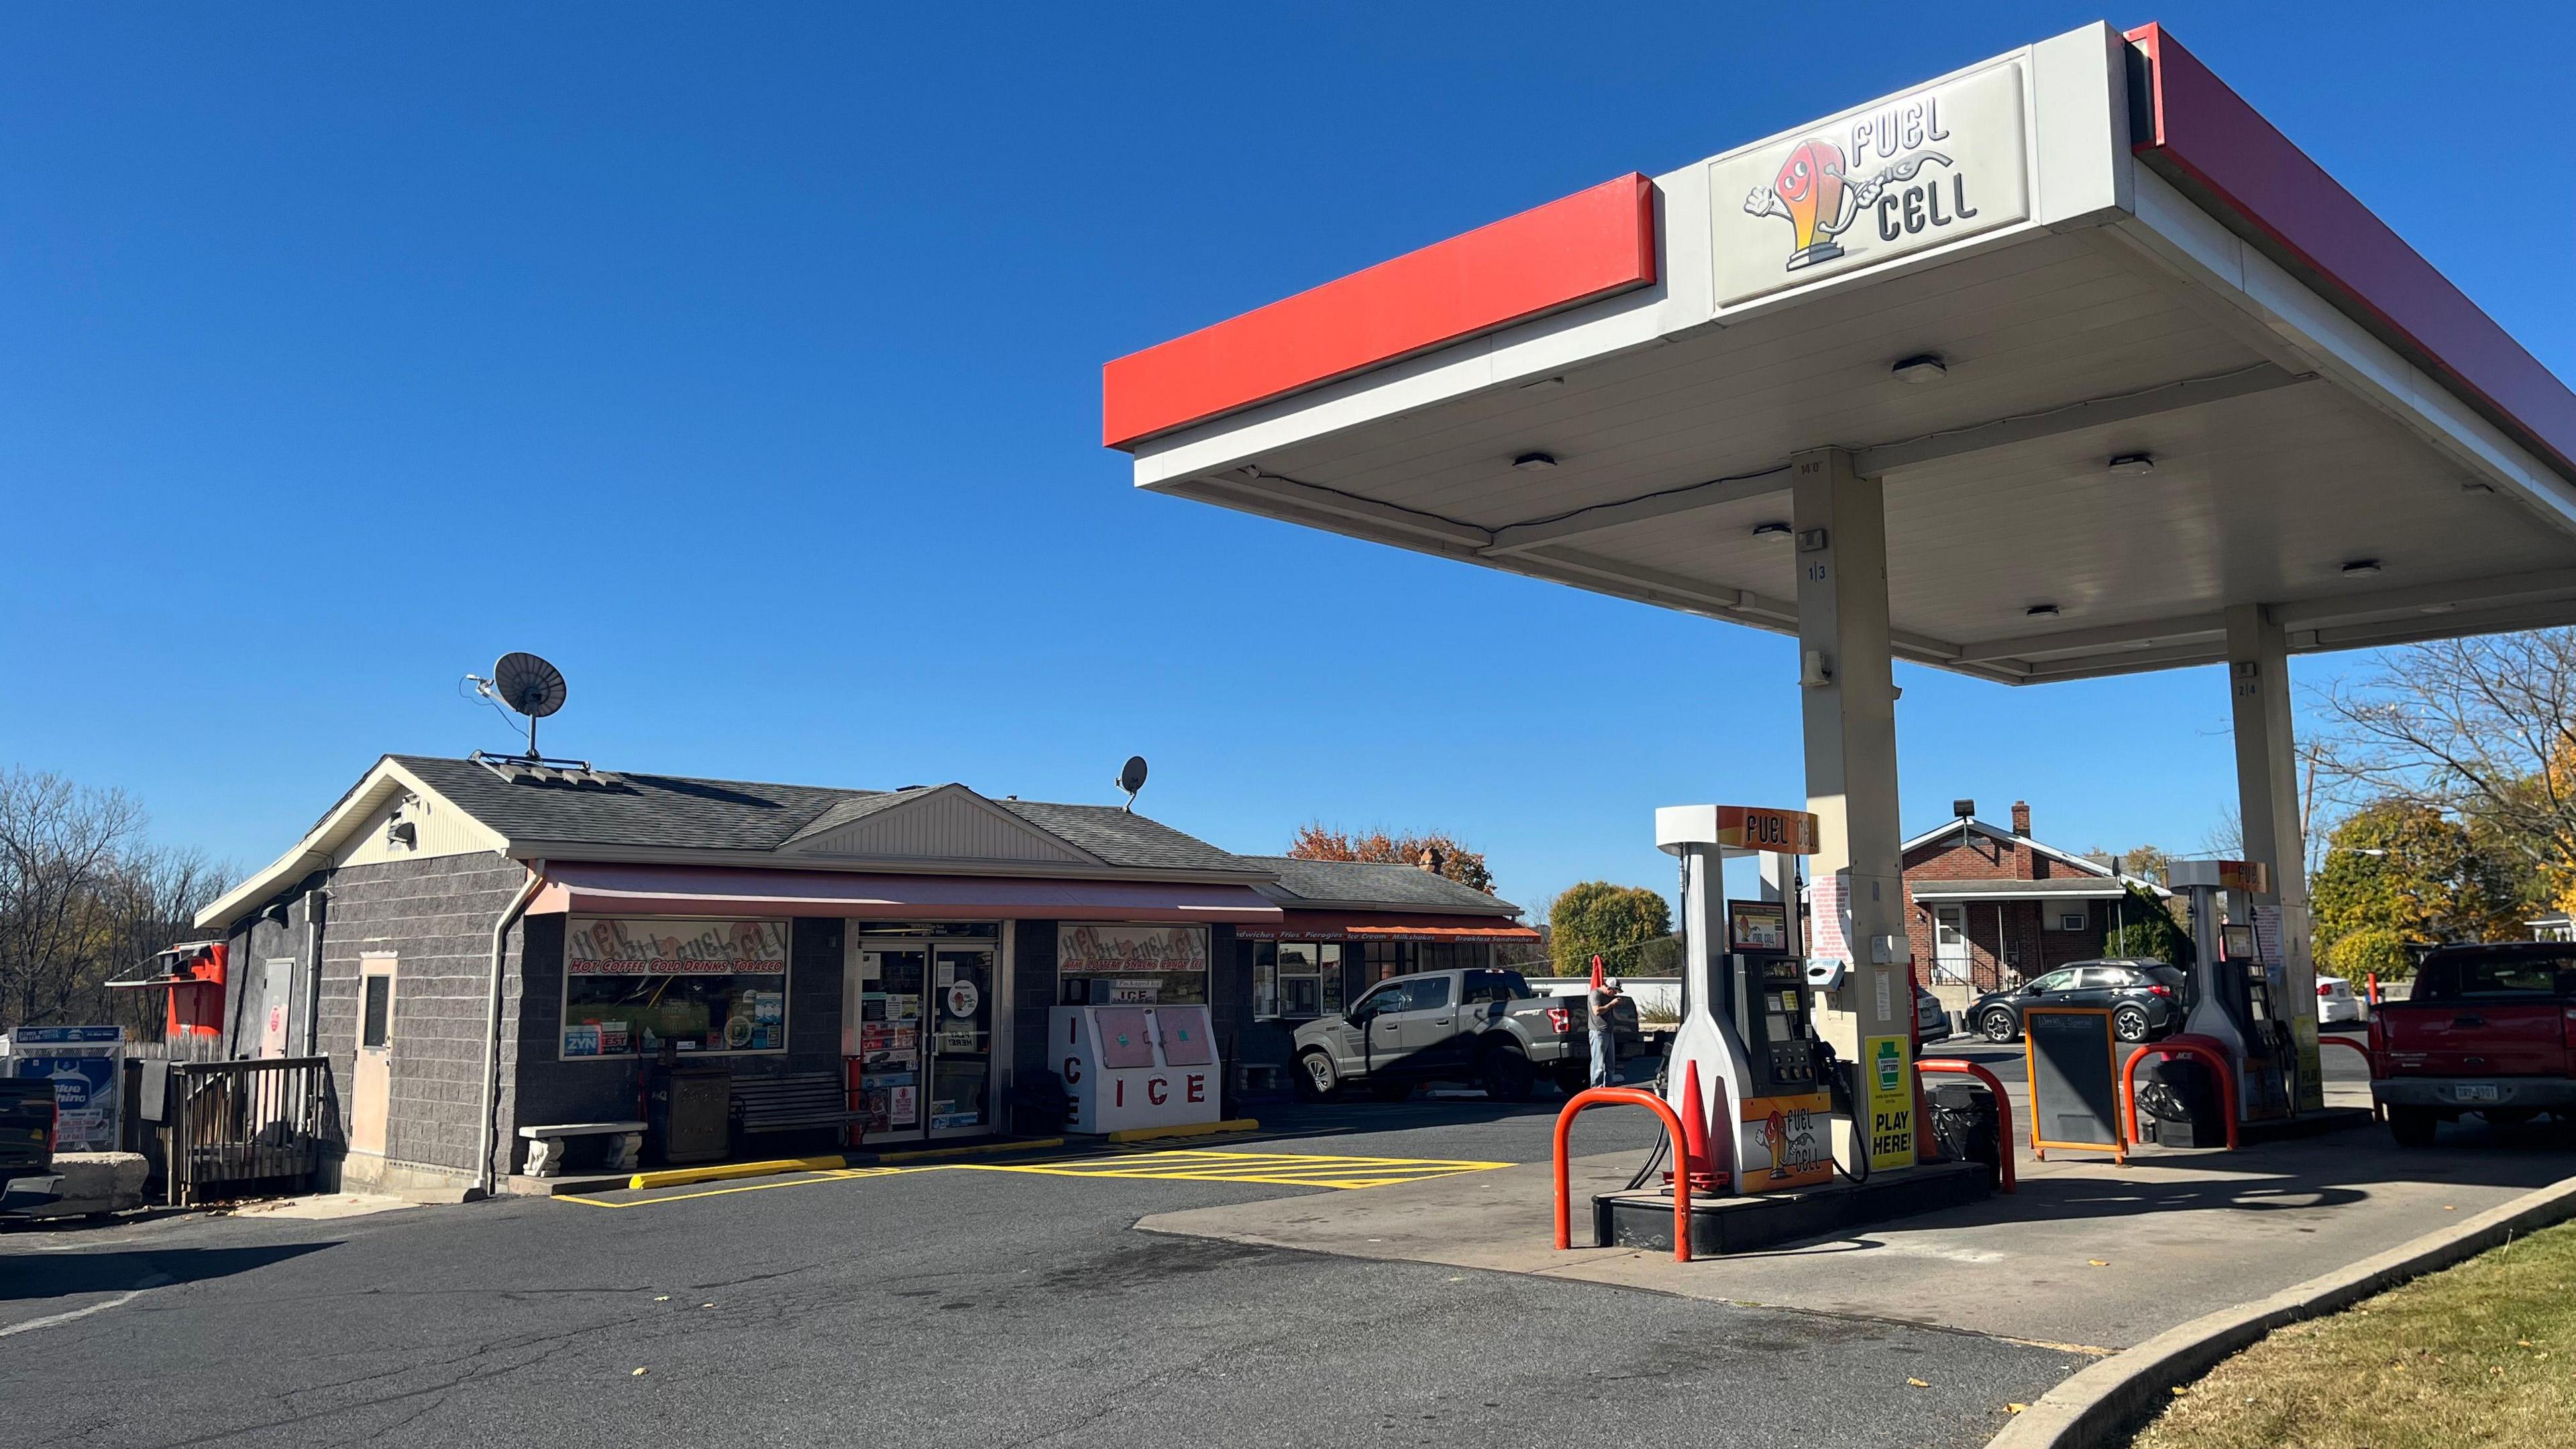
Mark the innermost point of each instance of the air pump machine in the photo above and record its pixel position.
(2234, 1000)
(1746, 1061)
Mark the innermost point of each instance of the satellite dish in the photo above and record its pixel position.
(1131, 778)
(527, 684)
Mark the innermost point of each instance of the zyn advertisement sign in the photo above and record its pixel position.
(1928, 167)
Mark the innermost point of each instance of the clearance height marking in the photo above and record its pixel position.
(1274, 1169)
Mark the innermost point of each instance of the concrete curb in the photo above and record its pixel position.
(1189, 1129)
(2096, 1402)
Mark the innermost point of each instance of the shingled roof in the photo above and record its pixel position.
(1370, 883)
(677, 812)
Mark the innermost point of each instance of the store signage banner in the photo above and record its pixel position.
(1110, 950)
(677, 948)
(1927, 167)
(84, 1063)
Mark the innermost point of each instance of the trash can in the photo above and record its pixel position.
(2179, 1104)
(1967, 1126)
(688, 1110)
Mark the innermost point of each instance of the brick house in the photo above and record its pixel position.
(1988, 907)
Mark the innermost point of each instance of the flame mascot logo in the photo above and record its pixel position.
(1820, 200)
(1775, 1129)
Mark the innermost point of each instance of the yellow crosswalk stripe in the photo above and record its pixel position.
(1261, 1169)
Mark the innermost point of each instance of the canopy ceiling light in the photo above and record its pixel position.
(1921, 367)
(1534, 462)
(1773, 529)
(2361, 568)
(2041, 611)
(2133, 465)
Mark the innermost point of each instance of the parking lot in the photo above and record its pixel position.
(1015, 1307)
(1300, 1285)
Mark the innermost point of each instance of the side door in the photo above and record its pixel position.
(1357, 1041)
(1950, 943)
(371, 1075)
(1427, 1029)
(2054, 989)
(2096, 986)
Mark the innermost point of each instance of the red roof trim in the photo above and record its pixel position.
(2197, 126)
(1584, 246)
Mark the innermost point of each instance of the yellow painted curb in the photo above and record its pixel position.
(1189, 1129)
(718, 1172)
(973, 1150)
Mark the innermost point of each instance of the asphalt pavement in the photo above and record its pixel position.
(940, 1307)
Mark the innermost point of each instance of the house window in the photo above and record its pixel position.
(2074, 920)
(376, 1017)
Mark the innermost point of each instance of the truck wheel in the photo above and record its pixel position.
(1507, 1075)
(1998, 1026)
(1316, 1078)
(2412, 1126)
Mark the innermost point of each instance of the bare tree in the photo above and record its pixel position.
(2483, 727)
(83, 896)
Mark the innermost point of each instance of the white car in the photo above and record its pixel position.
(2336, 1003)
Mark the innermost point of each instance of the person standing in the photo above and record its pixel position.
(1605, 1041)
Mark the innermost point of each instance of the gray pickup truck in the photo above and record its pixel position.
(27, 1112)
(1481, 1027)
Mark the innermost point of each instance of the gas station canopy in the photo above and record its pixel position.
(2121, 353)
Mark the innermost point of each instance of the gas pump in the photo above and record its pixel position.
(1747, 1065)
(2232, 1001)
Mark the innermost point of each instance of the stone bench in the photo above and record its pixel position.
(546, 1144)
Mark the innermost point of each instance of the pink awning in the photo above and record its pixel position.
(601, 889)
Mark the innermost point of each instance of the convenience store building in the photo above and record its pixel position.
(483, 944)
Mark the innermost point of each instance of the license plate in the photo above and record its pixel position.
(2477, 1092)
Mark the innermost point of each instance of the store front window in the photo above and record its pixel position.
(702, 986)
(1298, 979)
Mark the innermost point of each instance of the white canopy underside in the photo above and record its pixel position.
(2283, 453)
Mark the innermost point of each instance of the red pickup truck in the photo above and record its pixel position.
(2488, 1029)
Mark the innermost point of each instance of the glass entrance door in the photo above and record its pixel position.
(958, 1037)
(890, 1044)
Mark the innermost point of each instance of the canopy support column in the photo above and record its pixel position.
(2267, 804)
(1846, 670)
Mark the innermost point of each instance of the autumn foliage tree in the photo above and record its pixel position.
(2400, 873)
(1315, 841)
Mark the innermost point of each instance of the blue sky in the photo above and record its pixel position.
(747, 364)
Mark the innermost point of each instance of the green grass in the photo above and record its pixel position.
(2480, 1354)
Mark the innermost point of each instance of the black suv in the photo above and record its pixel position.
(2146, 998)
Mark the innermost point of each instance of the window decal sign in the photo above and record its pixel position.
(676, 948)
(1092, 950)
(1926, 167)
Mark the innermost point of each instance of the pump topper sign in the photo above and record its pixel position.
(1896, 177)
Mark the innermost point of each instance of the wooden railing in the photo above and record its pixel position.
(237, 1127)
